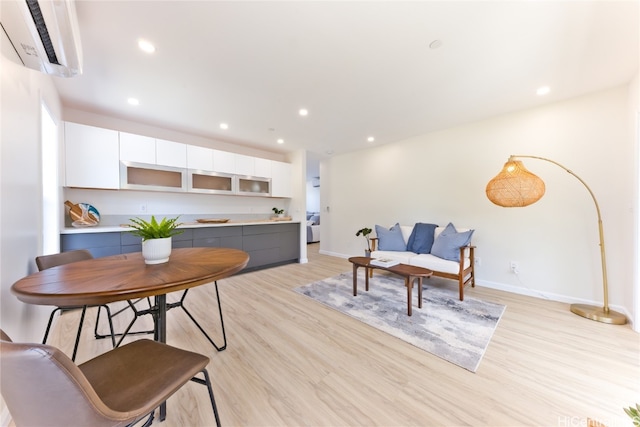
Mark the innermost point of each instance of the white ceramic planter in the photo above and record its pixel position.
(156, 251)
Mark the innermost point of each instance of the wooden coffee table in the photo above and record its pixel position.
(409, 272)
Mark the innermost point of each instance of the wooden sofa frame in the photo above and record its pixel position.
(464, 277)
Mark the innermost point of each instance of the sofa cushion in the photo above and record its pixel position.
(435, 263)
(421, 238)
(403, 256)
(390, 239)
(447, 244)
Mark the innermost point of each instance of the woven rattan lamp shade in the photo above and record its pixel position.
(515, 186)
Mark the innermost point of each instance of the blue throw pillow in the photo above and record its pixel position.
(390, 239)
(421, 239)
(447, 245)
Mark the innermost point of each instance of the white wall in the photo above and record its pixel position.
(21, 91)
(634, 130)
(441, 177)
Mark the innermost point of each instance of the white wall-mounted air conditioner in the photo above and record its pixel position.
(45, 34)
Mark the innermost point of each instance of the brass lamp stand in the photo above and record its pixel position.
(515, 186)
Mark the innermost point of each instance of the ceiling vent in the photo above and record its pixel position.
(45, 34)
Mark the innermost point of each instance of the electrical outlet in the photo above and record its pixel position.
(514, 266)
(143, 208)
(477, 260)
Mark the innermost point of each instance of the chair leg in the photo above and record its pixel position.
(46, 332)
(207, 382)
(109, 318)
(75, 347)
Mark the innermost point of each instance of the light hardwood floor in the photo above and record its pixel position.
(291, 361)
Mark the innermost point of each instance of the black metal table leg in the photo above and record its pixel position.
(160, 334)
(224, 334)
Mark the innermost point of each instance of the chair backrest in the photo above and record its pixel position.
(47, 261)
(42, 386)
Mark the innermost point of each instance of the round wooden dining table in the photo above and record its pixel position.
(125, 277)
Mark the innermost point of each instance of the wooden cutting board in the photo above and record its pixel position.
(75, 212)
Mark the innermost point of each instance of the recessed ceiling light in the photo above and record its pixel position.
(133, 101)
(329, 152)
(543, 90)
(303, 112)
(146, 46)
(281, 141)
(224, 126)
(371, 139)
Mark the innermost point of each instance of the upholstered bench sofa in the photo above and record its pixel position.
(446, 251)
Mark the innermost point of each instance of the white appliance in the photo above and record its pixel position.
(45, 34)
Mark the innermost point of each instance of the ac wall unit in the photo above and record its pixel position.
(45, 34)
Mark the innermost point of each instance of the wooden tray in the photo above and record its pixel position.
(212, 220)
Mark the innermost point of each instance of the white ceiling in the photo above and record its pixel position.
(360, 68)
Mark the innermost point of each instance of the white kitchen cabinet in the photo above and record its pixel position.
(245, 165)
(281, 179)
(224, 161)
(144, 149)
(91, 157)
(137, 148)
(199, 158)
(169, 153)
(262, 167)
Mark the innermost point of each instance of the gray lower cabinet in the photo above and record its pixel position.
(271, 243)
(267, 244)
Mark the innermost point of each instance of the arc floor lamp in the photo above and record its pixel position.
(515, 186)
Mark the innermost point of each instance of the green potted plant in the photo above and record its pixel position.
(634, 414)
(156, 237)
(365, 233)
(279, 212)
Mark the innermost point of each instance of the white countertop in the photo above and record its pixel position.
(124, 227)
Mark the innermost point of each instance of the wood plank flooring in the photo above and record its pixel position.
(293, 362)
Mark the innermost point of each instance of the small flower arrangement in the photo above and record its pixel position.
(154, 229)
(278, 211)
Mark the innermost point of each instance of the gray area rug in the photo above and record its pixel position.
(454, 330)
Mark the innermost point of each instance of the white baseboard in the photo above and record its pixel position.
(548, 295)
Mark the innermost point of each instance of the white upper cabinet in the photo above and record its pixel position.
(224, 161)
(200, 158)
(262, 168)
(91, 157)
(137, 148)
(252, 166)
(144, 149)
(245, 165)
(281, 179)
(169, 153)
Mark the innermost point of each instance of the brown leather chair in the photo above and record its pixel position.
(42, 386)
(48, 261)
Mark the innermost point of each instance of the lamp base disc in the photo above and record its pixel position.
(598, 314)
